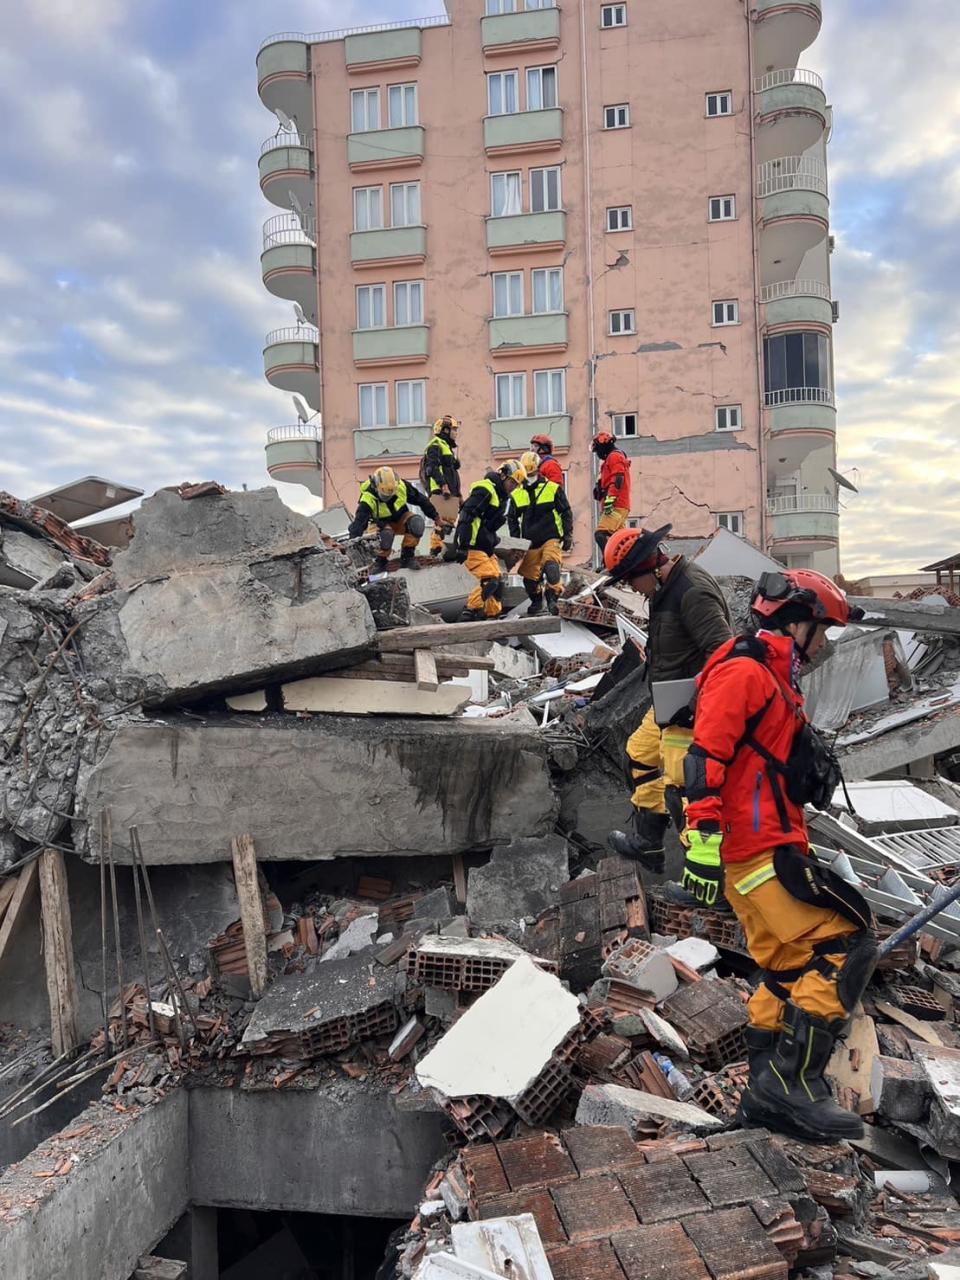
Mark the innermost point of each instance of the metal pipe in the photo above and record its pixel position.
(143, 940)
(916, 922)
(116, 927)
(103, 943)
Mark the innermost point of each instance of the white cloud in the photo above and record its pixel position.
(11, 272)
(123, 345)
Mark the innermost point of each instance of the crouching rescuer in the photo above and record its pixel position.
(385, 501)
(475, 538)
(754, 763)
(540, 511)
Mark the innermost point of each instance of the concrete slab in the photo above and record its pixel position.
(373, 697)
(521, 879)
(617, 1105)
(505, 1246)
(572, 640)
(256, 701)
(896, 803)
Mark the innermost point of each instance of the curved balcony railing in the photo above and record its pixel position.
(789, 75)
(791, 173)
(287, 140)
(798, 395)
(286, 228)
(322, 37)
(794, 289)
(302, 431)
(293, 333)
(800, 503)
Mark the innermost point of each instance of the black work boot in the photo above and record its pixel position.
(788, 1092)
(644, 844)
(471, 615)
(408, 558)
(760, 1047)
(535, 596)
(553, 602)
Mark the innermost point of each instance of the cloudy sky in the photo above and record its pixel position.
(132, 313)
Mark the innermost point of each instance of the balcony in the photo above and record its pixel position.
(533, 333)
(797, 302)
(523, 131)
(388, 245)
(385, 148)
(783, 29)
(530, 231)
(804, 516)
(523, 32)
(377, 50)
(390, 442)
(291, 362)
(295, 456)
(795, 212)
(792, 112)
(288, 263)
(283, 76)
(286, 171)
(512, 435)
(801, 409)
(401, 344)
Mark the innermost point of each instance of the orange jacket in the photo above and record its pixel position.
(550, 469)
(728, 782)
(615, 479)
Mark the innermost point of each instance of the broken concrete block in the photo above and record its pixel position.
(256, 701)
(529, 1010)
(663, 1033)
(389, 601)
(697, 953)
(454, 963)
(25, 559)
(447, 787)
(358, 934)
(439, 904)
(941, 1066)
(521, 879)
(440, 1004)
(409, 1034)
(339, 696)
(643, 966)
(506, 1246)
(617, 1105)
(899, 1089)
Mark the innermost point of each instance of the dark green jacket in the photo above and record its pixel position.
(689, 619)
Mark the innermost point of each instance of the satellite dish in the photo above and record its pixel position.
(299, 404)
(295, 205)
(842, 481)
(286, 123)
(301, 315)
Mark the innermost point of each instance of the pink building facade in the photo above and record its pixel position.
(563, 219)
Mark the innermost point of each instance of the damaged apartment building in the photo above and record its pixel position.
(314, 962)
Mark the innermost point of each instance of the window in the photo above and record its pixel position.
(541, 88)
(365, 110)
(501, 6)
(796, 369)
(511, 395)
(371, 306)
(547, 289)
(732, 520)
(544, 190)
(728, 417)
(720, 104)
(405, 204)
(722, 208)
(508, 293)
(624, 424)
(367, 208)
(402, 105)
(502, 93)
(620, 218)
(622, 321)
(540, 4)
(373, 404)
(411, 403)
(408, 302)
(549, 392)
(617, 117)
(727, 312)
(613, 15)
(504, 194)
(798, 560)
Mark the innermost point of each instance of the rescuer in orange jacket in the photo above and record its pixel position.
(612, 490)
(755, 761)
(548, 468)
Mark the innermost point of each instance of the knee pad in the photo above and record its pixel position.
(491, 588)
(386, 539)
(416, 526)
(601, 537)
(552, 573)
(673, 799)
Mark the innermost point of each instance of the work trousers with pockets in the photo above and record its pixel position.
(396, 527)
(483, 567)
(781, 933)
(657, 757)
(533, 565)
(613, 520)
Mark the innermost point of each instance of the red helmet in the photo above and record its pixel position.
(632, 551)
(602, 440)
(819, 598)
(542, 442)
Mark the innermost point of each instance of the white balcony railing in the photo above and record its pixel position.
(798, 395)
(302, 431)
(789, 75)
(286, 228)
(293, 333)
(803, 503)
(791, 173)
(287, 139)
(794, 289)
(322, 37)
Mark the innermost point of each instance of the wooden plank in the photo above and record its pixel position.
(852, 1061)
(407, 639)
(8, 888)
(26, 883)
(425, 668)
(472, 662)
(251, 912)
(459, 878)
(922, 1030)
(58, 953)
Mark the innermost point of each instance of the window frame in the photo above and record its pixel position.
(403, 86)
(491, 12)
(723, 217)
(368, 95)
(406, 187)
(509, 277)
(720, 95)
(548, 272)
(727, 409)
(506, 173)
(410, 382)
(540, 72)
(372, 290)
(367, 191)
(512, 380)
(409, 286)
(617, 106)
(735, 516)
(622, 417)
(551, 410)
(503, 76)
(725, 323)
(620, 208)
(621, 332)
(612, 9)
(545, 171)
(374, 387)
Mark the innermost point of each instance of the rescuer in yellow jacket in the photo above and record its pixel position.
(540, 511)
(475, 538)
(440, 475)
(385, 501)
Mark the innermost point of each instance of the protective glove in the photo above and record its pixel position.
(609, 503)
(703, 869)
(597, 492)
(567, 543)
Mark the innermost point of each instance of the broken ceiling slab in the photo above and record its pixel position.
(26, 559)
(521, 879)
(726, 555)
(448, 786)
(852, 678)
(912, 615)
(463, 964)
(929, 729)
(572, 641)
(342, 696)
(529, 1011)
(894, 805)
(87, 496)
(614, 1104)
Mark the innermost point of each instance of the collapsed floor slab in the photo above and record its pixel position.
(427, 787)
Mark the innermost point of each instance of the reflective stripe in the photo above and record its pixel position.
(675, 739)
(755, 879)
(494, 500)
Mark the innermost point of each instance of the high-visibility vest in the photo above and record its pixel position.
(476, 522)
(543, 494)
(446, 452)
(383, 509)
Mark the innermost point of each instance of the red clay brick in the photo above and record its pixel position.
(537, 1161)
(735, 1246)
(536, 1202)
(595, 1260)
(602, 1148)
(593, 1208)
(663, 1190)
(659, 1253)
(484, 1171)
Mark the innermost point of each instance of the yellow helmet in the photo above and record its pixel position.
(513, 471)
(448, 421)
(530, 463)
(385, 481)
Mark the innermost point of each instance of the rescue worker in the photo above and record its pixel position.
(755, 761)
(540, 510)
(385, 501)
(549, 467)
(475, 538)
(440, 476)
(689, 619)
(612, 489)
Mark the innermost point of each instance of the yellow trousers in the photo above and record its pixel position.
(657, 756)
(535, 561)
(483, 567)
(613, 520)
(781, 933)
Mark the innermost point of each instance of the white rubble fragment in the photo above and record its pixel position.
(256, 701)
(614, 1104)
(444, 1266)
(506, 1246)
(697, 953)
(358, 934)
(664, 1033)
(431, 1209)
